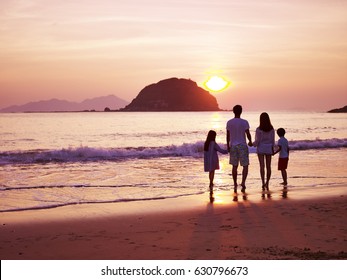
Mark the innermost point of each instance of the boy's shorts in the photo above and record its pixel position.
(239, 153)
(282, 163)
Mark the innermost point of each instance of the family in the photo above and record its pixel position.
(237, 130)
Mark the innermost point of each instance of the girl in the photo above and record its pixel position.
(211, 161)
(265, 141)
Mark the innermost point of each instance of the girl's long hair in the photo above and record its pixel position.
(211, 136)
(265, 123)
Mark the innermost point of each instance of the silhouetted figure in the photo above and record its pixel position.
(211, 160)
(265, 142)
(237, 130)
(283, 149)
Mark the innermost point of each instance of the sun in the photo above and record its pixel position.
(216, 83)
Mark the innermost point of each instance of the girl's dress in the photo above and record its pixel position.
(264, 141)
(211, 160)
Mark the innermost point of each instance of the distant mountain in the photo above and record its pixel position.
(55, 105)
(340, 110)
(173, 95)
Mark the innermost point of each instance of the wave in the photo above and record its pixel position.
(85, 154)
(79, 186)
(89, 154)
(318, 144)
(70, 203)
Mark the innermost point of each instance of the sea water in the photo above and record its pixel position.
(57, 159)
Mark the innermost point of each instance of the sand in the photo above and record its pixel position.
(181, 229)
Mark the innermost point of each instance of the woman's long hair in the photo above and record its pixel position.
(211, 136)
(265, 123)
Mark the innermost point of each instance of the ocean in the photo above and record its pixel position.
(52, 160)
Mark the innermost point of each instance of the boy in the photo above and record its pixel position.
(283, 149)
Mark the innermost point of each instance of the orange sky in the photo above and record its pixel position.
(278, 54)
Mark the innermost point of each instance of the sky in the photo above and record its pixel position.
(277, 55)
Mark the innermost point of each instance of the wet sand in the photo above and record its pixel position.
(233, 227)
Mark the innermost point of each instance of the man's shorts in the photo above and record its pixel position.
(282, 163)
(239, 153)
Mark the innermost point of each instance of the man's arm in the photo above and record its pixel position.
(228, 140)
(249, 137)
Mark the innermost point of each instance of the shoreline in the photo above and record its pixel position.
(187, 201)
(181, 229)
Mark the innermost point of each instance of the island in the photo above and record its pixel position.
(97, 104)
(340, 110)
(173, 94)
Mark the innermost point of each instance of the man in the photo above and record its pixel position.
(237, 130)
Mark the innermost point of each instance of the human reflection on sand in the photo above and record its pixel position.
(222, 198)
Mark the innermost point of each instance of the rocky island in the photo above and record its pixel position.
(173, 95)
(340, 110)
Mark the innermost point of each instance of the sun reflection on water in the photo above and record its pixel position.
(216, 121)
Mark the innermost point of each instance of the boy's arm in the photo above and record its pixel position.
(278, 150)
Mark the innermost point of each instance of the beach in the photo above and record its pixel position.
(128, 186)
(181, 229)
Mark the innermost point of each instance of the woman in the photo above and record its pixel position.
(265, 141)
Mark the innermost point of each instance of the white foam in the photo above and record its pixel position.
(83, 154)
